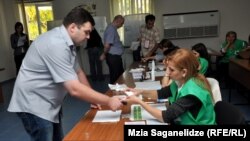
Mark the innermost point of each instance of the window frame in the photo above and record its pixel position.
(23, 17)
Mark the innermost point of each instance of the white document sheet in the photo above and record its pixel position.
(155, 122)
(107, 116)
(117, 87)
(134, 45)
(159, 73)
(148, 85)
(135, 123)
(21, 41)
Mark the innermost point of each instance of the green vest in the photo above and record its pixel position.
(206, 115)
(232, 52)
(204, 65)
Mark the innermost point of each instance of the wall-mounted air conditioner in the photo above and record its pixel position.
(191, 25)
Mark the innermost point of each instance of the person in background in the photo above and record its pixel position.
(149, 36)
(50, 70)
(20, 44)
(165, 47)
(200, 51)
(189, 94)
(229, 49)
(95, 49)
(113, 49)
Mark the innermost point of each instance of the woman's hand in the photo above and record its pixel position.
(134, 91)
(144, 59)
(133, 100)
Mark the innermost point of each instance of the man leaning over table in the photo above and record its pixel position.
(49, 71)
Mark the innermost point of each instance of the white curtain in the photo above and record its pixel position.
(4, 35)
(127, 7)
(8, 17)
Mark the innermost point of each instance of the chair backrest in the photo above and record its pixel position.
(215, 89)
(228, 114)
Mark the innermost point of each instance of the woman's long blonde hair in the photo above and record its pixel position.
(185, 59)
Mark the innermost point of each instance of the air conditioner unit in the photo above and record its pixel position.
(191, 25)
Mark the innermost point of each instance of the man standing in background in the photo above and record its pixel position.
(149, 36)
(95, 48)
(113, 48)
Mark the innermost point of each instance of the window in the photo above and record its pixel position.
(36, 17)
(127, 7)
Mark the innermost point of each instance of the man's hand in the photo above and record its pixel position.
(114, 103)
(96, 106)
(103, 57)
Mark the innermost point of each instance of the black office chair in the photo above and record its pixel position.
(228, 114)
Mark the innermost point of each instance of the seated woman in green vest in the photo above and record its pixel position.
(200, 51)
(231, 46)
(229, 49)
(189, 93)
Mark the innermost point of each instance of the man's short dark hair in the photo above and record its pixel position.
(79, 16)
(149, 17)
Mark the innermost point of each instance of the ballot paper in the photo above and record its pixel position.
(107, 116)
(129, 93)
(117, 87)
(160, 73)
(137, 70)
(160, 67)
(148, 85)
(135, 123)
(21, 41)
(134, 45)
(121, 97)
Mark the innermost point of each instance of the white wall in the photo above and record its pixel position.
(127, 59)
(62, 7)
(234, 15)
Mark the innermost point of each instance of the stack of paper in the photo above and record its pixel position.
(117, 87)
(137, 73)
(107, 116)
(148, 85)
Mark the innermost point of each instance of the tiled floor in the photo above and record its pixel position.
(11, 128)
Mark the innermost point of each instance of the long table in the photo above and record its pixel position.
(239, 70)
(86, 130)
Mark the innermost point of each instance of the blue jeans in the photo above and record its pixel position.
(40, 129)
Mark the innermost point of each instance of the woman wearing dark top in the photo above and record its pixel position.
(189, 93)
(20, 44)
(200, 51)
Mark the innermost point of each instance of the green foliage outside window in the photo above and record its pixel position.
(45, 14)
